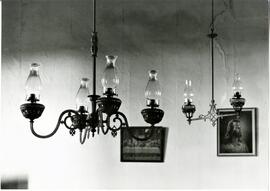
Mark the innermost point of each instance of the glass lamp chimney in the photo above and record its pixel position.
(152, 90)
(82, 100)
(110, 79)
(33, 83)
(188, 92)
(237, 85)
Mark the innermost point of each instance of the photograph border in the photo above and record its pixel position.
(254, 111)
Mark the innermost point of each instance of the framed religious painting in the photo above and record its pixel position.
(237, 136)
(143, 144)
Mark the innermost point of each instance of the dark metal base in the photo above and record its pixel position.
(79, 121)
(189, 110)
(212, 35)
(32, 110)
(92, 120)
(237, 103)
(109, 105)
(152, 115)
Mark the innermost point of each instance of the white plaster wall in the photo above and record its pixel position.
(165, 35)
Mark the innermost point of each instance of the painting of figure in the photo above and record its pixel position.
(237, 135)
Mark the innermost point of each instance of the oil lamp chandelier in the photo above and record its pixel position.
(236, 101)
(104, 115)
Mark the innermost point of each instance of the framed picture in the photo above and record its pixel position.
(237, 137)
(149, 150)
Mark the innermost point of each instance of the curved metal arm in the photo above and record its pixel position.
(56, 127)
(103, 130)
(123, 124)
(129, 128)
(118, 116)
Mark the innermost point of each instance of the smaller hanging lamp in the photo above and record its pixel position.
(237, 101)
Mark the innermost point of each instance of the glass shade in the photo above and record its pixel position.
(152, 90)
(188, 92)
(237, 85)
(82, 99)
(33, 83)
(110, 79)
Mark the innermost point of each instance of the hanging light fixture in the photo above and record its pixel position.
(236, 101)
(104, 110)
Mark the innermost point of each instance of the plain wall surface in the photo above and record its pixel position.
(169, 36)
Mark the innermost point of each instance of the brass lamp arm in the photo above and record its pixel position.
(59, 122)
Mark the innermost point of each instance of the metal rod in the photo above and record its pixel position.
(94, 49)
(94, 75)
(94, 52)
(94, 15)
(213, 14)
(212, 51)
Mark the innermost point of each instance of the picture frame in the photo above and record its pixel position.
(150, 150)
(237, 137)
